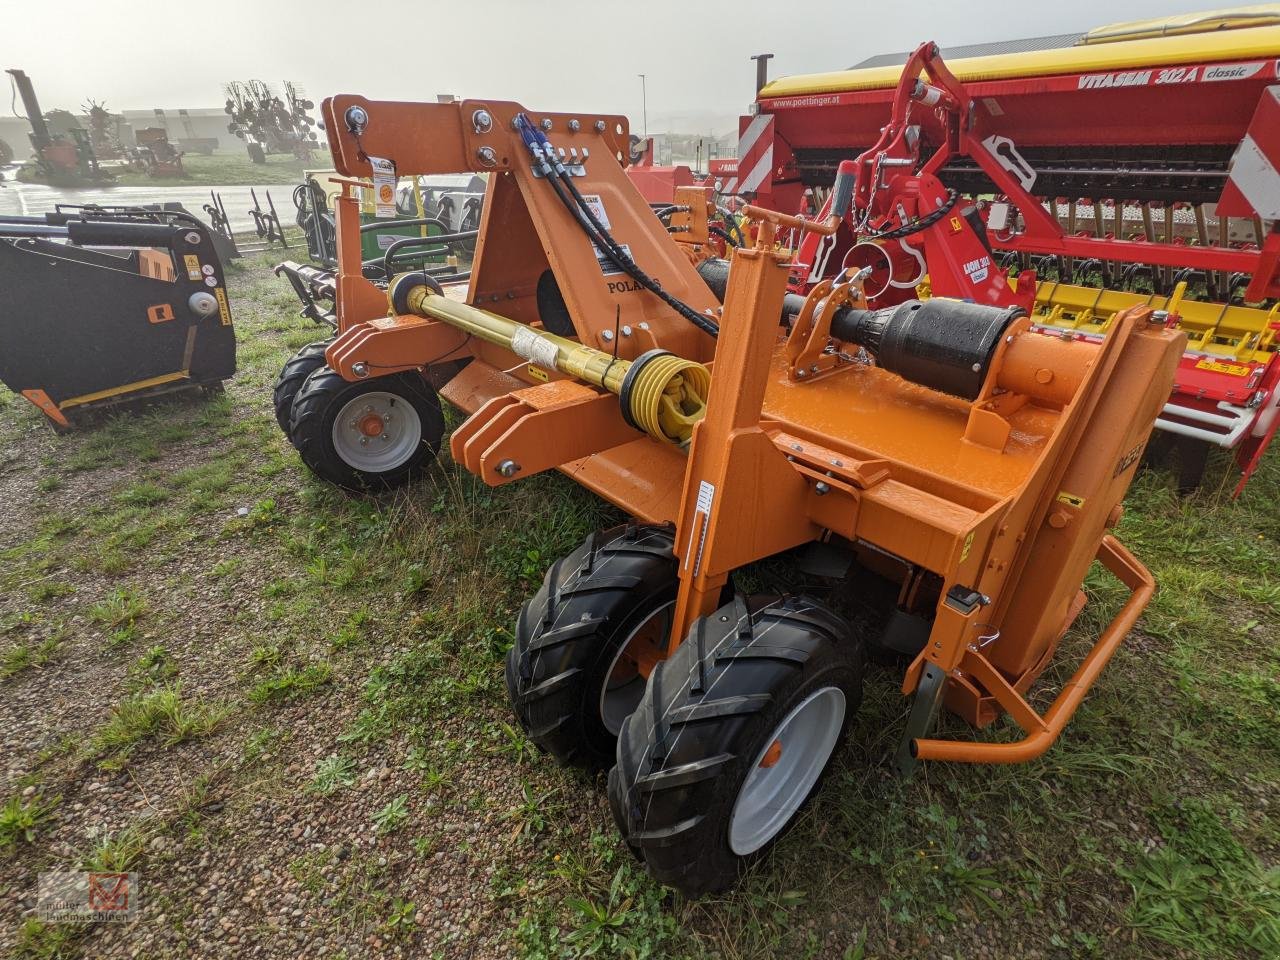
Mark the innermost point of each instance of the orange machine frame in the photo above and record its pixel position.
(1007, 499)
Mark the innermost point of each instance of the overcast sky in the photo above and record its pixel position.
(554, 55)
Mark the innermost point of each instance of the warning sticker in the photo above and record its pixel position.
(607, 266)
(533, 348)
(596, 206)
(384, 187)
(192, 263)
(968, 545)
(1128, 460)
(706, 497)
(1231, 369)
(223, 310)
(387, 239)
(1070, 499)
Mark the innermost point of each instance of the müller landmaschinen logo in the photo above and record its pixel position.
(72, 896)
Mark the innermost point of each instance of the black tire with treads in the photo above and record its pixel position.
(569, 633)
(322, 398)
(292, 376)
(707, 714)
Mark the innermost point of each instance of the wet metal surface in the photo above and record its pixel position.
(30, 199)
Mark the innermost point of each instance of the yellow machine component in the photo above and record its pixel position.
(662, 394)
(1234, 18)
(1253, 43)
(669, 397)
(1241, 333)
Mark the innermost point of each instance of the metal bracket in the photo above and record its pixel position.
(572, 169)
(924, 710)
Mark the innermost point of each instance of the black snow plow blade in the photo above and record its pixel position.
(94, 312)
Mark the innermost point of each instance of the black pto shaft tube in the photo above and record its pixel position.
(715, 274)
(945, 345)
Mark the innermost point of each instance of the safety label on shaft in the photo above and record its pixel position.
(525, 343)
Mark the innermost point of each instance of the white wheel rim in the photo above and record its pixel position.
(376, 432)
(771, 795)
(624, 685)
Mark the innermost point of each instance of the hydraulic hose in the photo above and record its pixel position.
(555, 174)
(731, 225)
(620, 257)
(723, 235)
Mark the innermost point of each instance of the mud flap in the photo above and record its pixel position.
(924, 710)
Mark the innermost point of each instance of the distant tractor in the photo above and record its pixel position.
(63, 151)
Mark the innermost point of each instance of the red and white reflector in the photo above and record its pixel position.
(755, 154)
(1253, 179)
(724, 172)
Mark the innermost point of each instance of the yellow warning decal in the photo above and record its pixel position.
(968, 545)
(223, 310)
(1217, 366)
(1070, 499)
(538, 373)
(193, 266)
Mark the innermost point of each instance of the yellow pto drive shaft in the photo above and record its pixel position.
(660, 393)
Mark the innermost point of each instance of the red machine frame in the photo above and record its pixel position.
(1232, 404)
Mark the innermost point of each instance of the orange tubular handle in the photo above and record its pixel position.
(1129, 571)
(825, 227)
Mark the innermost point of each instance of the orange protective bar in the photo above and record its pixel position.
(825, 227)
(1127, 568)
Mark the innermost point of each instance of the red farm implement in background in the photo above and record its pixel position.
(1137, 166)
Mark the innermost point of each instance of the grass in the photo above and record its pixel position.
(383, 624)
(162, 715)
(333, 773)
(290, 683)
(1201, 889)
(122, 608)
(22, 817)
(26, 656)
(118, 852)
(393, 815)
(38, 940)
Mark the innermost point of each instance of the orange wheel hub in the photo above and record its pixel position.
(772, 755)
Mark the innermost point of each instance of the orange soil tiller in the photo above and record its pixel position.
(941, 469)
